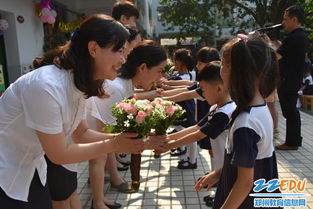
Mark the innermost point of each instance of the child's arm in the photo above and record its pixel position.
(172, 92)
(241, 188)
(187, 139)
(183, 96)
(208, 180)
(150, 95)
(177, 135)
(177, 82)
(167, 87)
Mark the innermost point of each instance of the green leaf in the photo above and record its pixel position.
(110, 129)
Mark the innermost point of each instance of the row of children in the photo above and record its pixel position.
(238, 120)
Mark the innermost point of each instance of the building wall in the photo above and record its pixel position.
(145, 21)
(159, 28)
(89, 7)
(23, 41)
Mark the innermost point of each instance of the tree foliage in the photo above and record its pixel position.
(199, 16)
(192, 17)
(262, 11)
(309, 17)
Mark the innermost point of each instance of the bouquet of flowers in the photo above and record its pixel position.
(168, 68)
(132, 116)
(141, 116)
(164, 114)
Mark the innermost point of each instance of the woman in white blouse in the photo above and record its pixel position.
(43, 111)
(143, 67)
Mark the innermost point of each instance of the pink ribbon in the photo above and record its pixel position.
(243, 37)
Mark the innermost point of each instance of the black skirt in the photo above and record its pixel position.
(62, 182)
(38, 198)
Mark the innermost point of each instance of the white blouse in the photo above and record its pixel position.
(45, 100)
(100, 109)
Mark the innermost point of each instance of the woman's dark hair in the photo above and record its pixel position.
(296, 11)
(133, 32)
(211, 73)
(126, 8)
(184, 55)
(251, 63)
(147, 52)
(74, 55)
(207, 54)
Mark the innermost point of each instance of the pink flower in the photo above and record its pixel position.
(170, 110)
(130, 109)
(149, 108)
(121, 105)
(141, 117)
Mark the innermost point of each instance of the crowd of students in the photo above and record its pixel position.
(53, 117)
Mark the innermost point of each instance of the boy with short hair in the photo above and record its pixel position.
(126, 13)
(215, 124)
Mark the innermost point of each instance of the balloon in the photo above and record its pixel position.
(50, 19)
(53, 13)
(45, 12)
(43, 19)
(45, 4)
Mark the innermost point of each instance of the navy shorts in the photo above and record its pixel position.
(205, 143)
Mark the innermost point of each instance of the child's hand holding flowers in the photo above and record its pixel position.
(143, 116)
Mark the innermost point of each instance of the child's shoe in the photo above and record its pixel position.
(187, 165)
(178, 152)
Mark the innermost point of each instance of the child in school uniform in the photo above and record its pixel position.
(214, 124)
(204, 56)
(184, 66)
(250, 152)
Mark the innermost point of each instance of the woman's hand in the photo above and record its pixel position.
(207, 181)
(125, 143)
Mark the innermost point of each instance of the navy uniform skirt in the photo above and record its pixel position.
(62, 182)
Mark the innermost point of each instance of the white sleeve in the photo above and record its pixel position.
(42, 110)
(104, 108)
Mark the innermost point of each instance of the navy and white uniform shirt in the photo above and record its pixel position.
(249, 145)
(196, 87)
(215, 126)
(217, 120)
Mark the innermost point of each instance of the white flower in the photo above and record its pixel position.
(130, 116)
(141, 104)
(170, 130)
(166, 103)
(126, 123)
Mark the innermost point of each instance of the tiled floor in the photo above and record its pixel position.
(164, 186)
